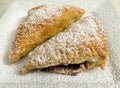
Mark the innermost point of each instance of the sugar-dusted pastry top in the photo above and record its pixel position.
(41, 23)
(84, 40)
(42, 15)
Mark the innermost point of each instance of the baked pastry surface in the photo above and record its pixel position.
(82, 45)
(41, 23)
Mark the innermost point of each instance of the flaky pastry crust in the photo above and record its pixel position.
(41, 23)
(84, 41)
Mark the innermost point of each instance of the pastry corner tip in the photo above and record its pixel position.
(82, 10)
(12, 59)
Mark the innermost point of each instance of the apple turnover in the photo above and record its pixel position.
(41, 23)
(80, 47)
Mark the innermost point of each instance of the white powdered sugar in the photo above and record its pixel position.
(42, 14)
(82, 31)
(109, 78)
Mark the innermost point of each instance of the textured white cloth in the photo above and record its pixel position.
(96, 78)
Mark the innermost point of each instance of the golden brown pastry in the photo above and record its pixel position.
(41, 23)
(82, 45)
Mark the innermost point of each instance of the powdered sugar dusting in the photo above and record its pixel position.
(81, 32)
(37, 18)
(45, 12)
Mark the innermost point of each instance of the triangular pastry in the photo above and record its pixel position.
(80, 47)
(41, 23)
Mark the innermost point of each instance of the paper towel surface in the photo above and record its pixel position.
(95, 78)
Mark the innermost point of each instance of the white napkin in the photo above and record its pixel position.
(95, 78)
